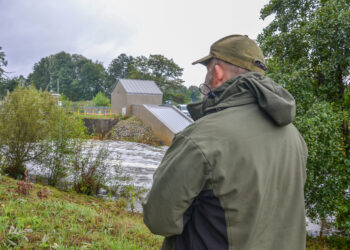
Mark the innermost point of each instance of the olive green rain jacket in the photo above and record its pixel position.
(234, 179)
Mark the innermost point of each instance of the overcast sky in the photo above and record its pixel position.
(102, 29)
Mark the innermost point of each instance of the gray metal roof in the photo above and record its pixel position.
(132, 86)
(174, 119)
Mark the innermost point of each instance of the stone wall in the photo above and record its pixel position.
(99, 126)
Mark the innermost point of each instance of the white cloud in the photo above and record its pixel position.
(101, 30)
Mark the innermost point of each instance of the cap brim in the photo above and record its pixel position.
(203, 60)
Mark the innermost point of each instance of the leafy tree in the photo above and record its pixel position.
(3, 63)
(120, 67)
(9, 85)
(75, 76)
(163, 71)
(308, 50)
(32, 128)
(22, 124)
(195, 94)
(101, 100)
(67, 133)
(40, 77)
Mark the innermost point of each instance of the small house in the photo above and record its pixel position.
(129, 92)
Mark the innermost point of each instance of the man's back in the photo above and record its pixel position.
(257, 176)
(234, 179)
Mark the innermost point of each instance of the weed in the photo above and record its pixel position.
(43, 193)
(23, 187)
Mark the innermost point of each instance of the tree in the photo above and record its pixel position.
(34, 128)
(92, 77)
(163, 71)
(3, 63)
(120, 67)
(75, 76)
(308, 50)
(9, 85)
(68, 133)
(195, 94)
(101, 100)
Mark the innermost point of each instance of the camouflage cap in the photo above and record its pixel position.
(237, 50)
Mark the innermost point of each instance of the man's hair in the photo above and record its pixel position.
(231, 69)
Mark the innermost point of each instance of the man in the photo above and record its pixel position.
(234, 179)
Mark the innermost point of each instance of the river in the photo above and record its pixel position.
(138, 161)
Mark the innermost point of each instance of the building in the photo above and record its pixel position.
(129, 92)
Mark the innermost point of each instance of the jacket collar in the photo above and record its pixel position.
(247, 88)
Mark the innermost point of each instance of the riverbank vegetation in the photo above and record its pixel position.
(307, 46)
(307, 49)
(48, 218)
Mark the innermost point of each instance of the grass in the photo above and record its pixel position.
(68, 221)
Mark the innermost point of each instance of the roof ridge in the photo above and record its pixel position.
(137, 86)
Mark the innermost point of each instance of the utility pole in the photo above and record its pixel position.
(58, 86)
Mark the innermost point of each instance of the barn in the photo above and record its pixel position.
(129, 92)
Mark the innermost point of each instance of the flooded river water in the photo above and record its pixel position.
(138, 161)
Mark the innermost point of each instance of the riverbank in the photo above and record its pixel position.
(49, 218)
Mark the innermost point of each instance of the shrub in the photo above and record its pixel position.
(67, 132)
(90, 172)
(34, 128)
(24, 122)
(101, 100)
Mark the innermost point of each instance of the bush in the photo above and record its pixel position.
(101, 100)
(89, 172)
(67, 132)
(34, 128)
(25, 121)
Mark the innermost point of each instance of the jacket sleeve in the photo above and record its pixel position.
(179, 178)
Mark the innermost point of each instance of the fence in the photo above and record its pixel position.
(103, 111)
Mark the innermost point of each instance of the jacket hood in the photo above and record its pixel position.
(245, 89)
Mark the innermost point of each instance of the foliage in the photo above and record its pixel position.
(33, 223)
(67, 132)
(120, 68)
(24, 121)
(327, 243)
(3, 63)
(343, 218)
(327, 173)
(308, 49)
(195, 94)
(101, 100)
(77, 77)
(34, 128)
(163, 71)
(23, 187)
(9, 85)
(131, 193)
(89, 173)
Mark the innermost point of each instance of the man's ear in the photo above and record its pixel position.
(219, 75)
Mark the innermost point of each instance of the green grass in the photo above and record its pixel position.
(68, 221)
